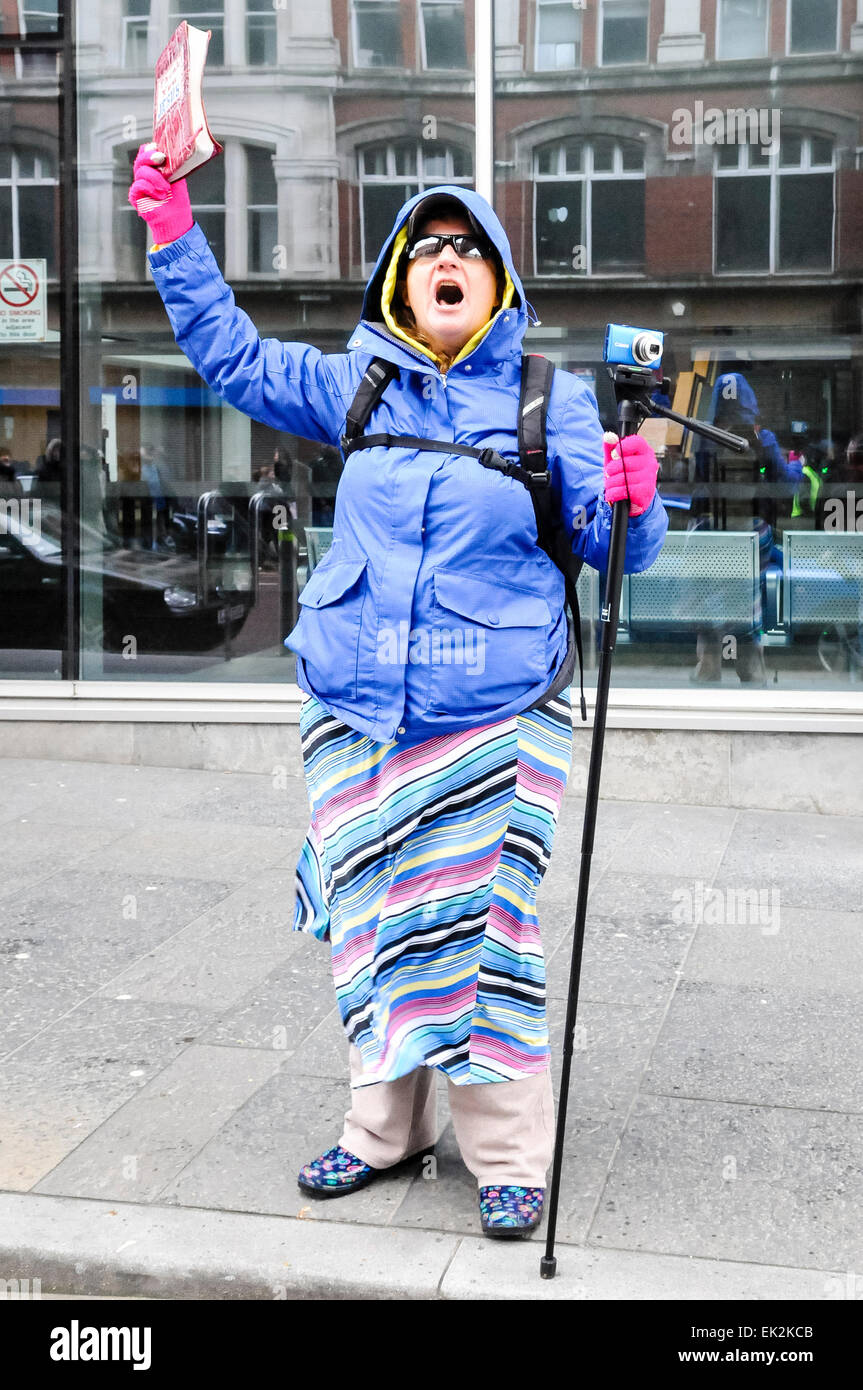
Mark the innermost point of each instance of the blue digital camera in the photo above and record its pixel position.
(632, 347)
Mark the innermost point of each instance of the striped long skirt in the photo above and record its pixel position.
(421, 867)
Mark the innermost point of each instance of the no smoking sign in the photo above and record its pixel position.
(22, 301)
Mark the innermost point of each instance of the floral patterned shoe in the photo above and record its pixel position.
(510, 1211)
(336, 1173)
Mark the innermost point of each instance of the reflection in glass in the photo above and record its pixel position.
(261, 22)
(204, 14)
(377, 34)
(813, 26)
(742, 31)
(624, 31)
(558, 35)
(442, 34)
(263, 213)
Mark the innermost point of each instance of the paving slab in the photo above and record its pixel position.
(188, 849)
(633, 947)
(755, 1043)
(812, 860)
(284, 1008)
(252, 1163)
(143, 1146)
(227, 949)
(741, 1182)
(63, 1083)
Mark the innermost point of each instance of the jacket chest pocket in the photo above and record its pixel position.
(487, 643)
(327, 635)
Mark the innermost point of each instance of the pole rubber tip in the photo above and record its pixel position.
(547, 1267)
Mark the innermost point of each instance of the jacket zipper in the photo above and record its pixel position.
(390, 338)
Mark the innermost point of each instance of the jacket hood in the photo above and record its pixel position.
(733, 400)
(376, 313)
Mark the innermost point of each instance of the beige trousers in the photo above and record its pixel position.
(504, 1129)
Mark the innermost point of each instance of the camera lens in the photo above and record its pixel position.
(646, 349)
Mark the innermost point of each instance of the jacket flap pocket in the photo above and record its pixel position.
(329, 581)
(493, 605)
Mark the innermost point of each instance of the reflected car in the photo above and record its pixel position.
(147, 594)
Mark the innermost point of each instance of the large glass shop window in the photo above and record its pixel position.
(734, 233)
(202, 525)
(32, 449)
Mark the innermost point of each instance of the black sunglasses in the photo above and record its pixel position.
(467, 248)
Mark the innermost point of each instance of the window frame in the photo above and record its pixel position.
(175, 6)
(600, 36)
(270, 12)
(14, 181)
(355, 42)
(128, 22)
(421, 35)
(815, 52)
(587, 176)
(391, 178)
(251, 207)
(773, 171)
(578, 11)
(749, 57)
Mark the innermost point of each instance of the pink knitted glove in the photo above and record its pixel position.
(164, 206)
(638, 483)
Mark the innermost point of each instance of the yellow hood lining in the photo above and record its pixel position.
(388, 290)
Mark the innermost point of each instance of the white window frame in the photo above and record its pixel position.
(588, 175)
(355, 44)
(130, 21)
(578, 10)
(815, 52)
(259, 207)
(391, 178)
(600, 37)
(205, 21)
(274, 15)
(421, 30)
(773, 170)
(16, 181)
(750, 57)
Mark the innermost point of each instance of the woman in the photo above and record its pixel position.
(429, 634)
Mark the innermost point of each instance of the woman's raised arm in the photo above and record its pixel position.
(291, 386)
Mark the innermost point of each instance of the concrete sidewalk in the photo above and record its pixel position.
(172, 1054)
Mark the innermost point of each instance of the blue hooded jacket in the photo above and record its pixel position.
(435, 609)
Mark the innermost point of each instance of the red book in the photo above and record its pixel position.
(179, 121)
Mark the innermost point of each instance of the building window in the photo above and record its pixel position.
(377, 34)
(589, 209)
(442, 41)
(741, 29)
(28, 185)
(136, 22)
(263, 212)
(204, 14)
(209, 208)
(261, 29)
(623, 29)
(391, 173)
(37, 17)
(813, 26)
(558, 35)
(775, 212)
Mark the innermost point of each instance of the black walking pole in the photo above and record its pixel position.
(631, 387)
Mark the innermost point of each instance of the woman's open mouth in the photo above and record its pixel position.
(448, 292)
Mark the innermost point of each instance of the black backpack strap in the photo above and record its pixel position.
(376, 378)
(537, 376)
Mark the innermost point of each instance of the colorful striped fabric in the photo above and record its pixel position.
(421, 867)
